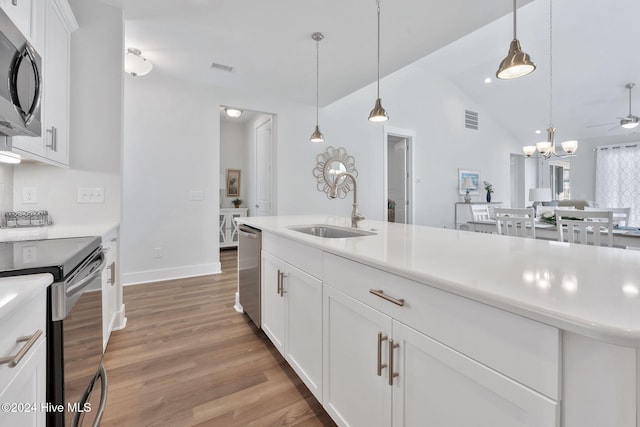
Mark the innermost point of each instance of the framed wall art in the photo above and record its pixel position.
(233, 183)
(473, 181)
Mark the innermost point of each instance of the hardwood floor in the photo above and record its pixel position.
(186, 358)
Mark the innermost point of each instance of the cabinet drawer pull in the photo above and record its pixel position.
(380, 293)
(14, 360)
(112, 276)
(279, 290)
(381, 365)
(392, 346)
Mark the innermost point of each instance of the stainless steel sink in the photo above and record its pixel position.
(330, 231)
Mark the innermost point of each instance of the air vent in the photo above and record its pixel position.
(227, 68)
(471, 119)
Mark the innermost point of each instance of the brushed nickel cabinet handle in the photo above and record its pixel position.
(381, 365)
(112, 276)
(279, 283)
(392, 346)
(381, 294)
(14, 360)
(282, 291)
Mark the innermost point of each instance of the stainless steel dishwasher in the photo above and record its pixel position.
(249, 248)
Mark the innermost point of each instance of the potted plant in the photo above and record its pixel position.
(489, 187)
(236, 202)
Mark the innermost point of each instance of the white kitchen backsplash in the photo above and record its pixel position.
(6, 188)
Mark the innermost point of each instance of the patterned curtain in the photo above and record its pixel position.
(618, 179)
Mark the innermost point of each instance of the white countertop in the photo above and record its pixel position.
(592, 291)
(55, 231)
(19, 290)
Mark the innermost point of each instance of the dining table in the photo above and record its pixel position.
(623, 237)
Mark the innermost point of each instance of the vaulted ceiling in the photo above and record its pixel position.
(270, 47)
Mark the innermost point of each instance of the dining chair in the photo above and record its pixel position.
(480, 212)
(620, 215)
(585, 227)
(519, 222)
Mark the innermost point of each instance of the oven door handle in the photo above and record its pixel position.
(102, 374)
(84, 282)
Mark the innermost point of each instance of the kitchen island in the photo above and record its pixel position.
(517, 331)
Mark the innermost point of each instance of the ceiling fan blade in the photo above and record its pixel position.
(601, 124)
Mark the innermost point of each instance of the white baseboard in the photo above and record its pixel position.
(238, 307)
(140, 277)
(119, 320)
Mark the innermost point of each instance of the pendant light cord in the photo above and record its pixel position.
(378, 2)
(514, 20)
(551, 63)
(317, 77)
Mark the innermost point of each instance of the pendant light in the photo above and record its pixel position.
(517, 63)
(317, 136)
(378, 114)
(548, 148)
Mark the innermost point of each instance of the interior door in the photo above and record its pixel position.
(264, 177)
(397, 173)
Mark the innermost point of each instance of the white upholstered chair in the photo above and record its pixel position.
(585, 227)
(620, 215)
(516, 222)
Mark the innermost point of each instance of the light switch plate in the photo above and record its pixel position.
(196, 195)
(90, 195)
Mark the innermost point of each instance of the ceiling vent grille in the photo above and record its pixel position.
(471, 119)
(227, 68)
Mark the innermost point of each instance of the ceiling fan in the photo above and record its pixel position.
(628, 122)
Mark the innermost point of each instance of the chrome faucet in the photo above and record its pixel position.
(355, 215)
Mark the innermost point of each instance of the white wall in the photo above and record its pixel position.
(96, 124)
(6, 187)
(429, 104)
(172, 146)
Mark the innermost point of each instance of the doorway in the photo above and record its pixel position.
(264, 168)
(398, 174)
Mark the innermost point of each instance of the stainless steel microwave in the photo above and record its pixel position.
(20, 82)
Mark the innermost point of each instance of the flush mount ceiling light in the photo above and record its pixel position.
(630, 121)
(9, 157)
(135, 64)
(378, 114)
(517, 63)
(548, 148)
(317, 136)
(232, 112)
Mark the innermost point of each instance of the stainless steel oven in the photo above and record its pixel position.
(76, 379)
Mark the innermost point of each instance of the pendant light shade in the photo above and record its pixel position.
(317, 136)
(517, 63)
(378, 114)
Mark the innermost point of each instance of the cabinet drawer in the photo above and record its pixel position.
(520, 348)
(299, 255)
(23, 322)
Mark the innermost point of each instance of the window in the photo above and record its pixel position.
(618, 179)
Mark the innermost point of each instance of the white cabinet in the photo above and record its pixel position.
(52, 146)
(228, 228)
(354, 394)
(400, 353)
(111, 287)
(292, 310)
(22, 386)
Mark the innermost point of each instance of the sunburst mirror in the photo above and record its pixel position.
(329, 165)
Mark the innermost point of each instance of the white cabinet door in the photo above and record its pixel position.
(273, 303)
(56, 87)
(25, 394)
(438, 386)
(303, 347)
(354, 395)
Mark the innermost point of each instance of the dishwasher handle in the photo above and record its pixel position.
(247, 231)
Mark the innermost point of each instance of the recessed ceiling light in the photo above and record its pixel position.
(233, 112)
(538, 131)
(487, 80)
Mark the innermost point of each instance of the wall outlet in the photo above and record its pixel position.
(90, 195)
(29, 195)
(196, 195)
(157, 252)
